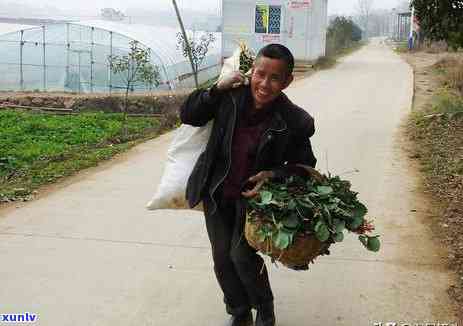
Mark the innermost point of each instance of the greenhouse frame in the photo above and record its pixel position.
(73, 57)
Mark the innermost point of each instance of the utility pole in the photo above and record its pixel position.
(185, 37)
(412, 30)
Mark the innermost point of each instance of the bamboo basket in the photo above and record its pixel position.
(304, 249)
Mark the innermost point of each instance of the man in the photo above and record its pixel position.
(257, 131)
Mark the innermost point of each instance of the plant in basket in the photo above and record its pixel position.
(247, 58)
(296, 219)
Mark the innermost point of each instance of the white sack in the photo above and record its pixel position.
(189, 142)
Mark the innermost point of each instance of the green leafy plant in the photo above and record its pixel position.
(247, 58)
(304, 207)
(37, 148)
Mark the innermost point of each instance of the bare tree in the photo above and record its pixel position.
(197, 48)
(132, 69)
(379, 22)
(403, 5)
(187, 44)
(364, 9)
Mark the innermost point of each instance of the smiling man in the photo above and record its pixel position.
(257, 132)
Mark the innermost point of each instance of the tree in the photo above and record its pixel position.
(441, 20)
(112, 14)
(134, 68)
(342, 32)
(364, 8)
(198, 48)
(403, 6)
(379, 22)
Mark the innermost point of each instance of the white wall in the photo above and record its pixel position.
(303, 27)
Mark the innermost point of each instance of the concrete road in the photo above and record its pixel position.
(88, 253)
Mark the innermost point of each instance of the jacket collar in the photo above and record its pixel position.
(277, 123)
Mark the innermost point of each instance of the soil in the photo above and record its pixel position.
(443, 142)
(149, 103)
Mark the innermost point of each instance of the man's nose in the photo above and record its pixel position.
(266, 82)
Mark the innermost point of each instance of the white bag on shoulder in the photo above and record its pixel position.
(189, 142)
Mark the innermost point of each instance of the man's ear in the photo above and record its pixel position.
(289, 80)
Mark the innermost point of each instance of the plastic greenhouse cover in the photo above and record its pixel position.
(161, 40)
(8, 28)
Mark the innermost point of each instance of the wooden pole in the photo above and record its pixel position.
(185, 37)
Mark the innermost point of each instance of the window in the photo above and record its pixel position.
(268, 19)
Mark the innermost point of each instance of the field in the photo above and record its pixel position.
(37, 148)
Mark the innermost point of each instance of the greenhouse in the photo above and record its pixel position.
(73, 57)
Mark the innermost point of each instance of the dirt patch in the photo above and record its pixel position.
(437, 144)
(156, 103)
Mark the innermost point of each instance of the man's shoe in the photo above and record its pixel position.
(241, 320)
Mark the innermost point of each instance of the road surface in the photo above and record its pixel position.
(88, 253)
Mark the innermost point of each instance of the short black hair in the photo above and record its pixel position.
(280, 52)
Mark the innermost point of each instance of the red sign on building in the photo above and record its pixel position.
(299, 4)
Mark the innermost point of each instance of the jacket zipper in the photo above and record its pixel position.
(265, 142)
(229, 156)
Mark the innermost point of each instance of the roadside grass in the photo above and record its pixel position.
(437, 127)
(37, 149)
(401, 47)
(436, 130)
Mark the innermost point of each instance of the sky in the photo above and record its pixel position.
(335, 6)
(346, 7)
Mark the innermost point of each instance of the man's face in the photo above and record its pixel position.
(269, 78)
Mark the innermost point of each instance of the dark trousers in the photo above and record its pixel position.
(240, 271)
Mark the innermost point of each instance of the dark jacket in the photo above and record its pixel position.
(285, 141)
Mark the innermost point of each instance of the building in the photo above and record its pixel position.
(299, 24)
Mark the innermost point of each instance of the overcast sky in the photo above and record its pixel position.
(335, 6)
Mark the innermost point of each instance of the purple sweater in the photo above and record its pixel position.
(246, 138)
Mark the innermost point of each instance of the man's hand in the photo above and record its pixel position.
(231, 80)
(259, 179)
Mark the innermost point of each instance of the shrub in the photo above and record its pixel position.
(342, 33)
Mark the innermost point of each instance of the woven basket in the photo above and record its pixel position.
(302, 251)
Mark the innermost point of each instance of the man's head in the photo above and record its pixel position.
(272, 73)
